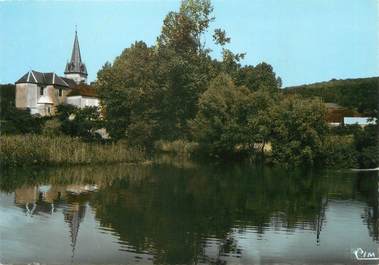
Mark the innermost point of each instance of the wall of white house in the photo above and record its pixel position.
(28, 96)
(89, 101)
(81, 102)
(74, 100)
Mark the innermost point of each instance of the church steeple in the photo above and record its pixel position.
(75, 68)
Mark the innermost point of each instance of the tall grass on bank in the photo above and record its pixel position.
(20, 150)
(178, 147)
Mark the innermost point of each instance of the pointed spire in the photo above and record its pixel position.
(74, 215)
(75, 56)
(76, 65)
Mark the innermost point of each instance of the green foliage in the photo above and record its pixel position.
(214, 120)
(220, 38)
(177, 147)
(298, 130)
(360, 94)
(339, 151)
(77, 122)
(152, 93)
(22, 150)
(175, 90)
(130, 94)
(182, 30)
(260, 77)
(232, 119)
(52, 128)
(367, 145)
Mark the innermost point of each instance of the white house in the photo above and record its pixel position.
(41, 92)
(83, 96)
(362, 121)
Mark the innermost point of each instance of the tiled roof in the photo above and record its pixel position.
(83, 90)
(69, 81)
(40, 78)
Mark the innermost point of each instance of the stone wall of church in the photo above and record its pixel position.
(53, 93)
(28, 95)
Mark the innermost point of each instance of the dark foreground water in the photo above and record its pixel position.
(182, 213)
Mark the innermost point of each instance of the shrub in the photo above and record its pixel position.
(52, 128)
(338, 151)
(299, 128)
(367, 145)
(179, 147)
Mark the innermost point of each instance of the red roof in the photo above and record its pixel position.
(83, 90)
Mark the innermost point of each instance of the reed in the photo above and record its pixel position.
(178, 147)
(20, 150)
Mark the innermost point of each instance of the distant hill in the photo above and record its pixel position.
(360, 94)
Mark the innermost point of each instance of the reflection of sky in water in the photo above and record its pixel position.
(343, 231)
(163, 214)
(46, 238)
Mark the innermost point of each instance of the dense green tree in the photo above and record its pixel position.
(175, 90)
(129, 92)
(260, 77)
(360, 94)
(151, 92)
(182, 30)
(366, 141)
(77, 122)
(298, 130)
(233, 121)
(259, 123)
(339, 151)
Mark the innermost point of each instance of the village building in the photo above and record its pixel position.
(41, 92)
(361, 121)
(336, 115)
(83, 96)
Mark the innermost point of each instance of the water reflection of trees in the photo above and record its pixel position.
(172, 205)
(170, 210)
(368, 187)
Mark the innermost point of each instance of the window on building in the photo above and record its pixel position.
(48, 110)
(60, 92)
(41, 91)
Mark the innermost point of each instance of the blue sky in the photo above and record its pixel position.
(304, 40)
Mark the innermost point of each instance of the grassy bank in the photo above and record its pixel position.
(20, 150)
(177, 147)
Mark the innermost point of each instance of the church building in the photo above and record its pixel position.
(41, 92)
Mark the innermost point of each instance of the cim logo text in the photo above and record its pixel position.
(361, 254)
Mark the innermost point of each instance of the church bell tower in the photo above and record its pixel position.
(75, 68)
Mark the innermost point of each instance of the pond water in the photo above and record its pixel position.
(178, 212)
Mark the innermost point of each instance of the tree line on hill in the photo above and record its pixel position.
(175, 90)
(359, 94)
